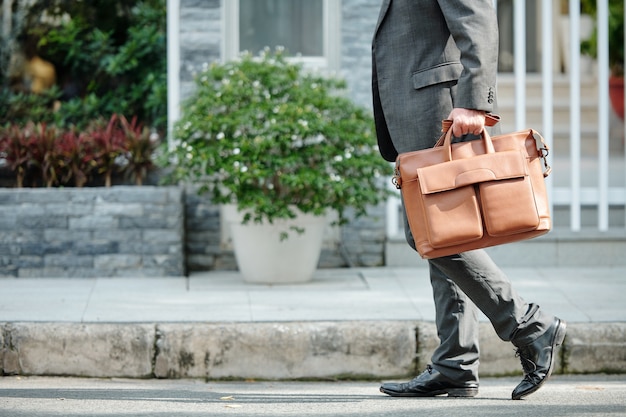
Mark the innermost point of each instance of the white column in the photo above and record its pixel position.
(173, 65)
(547, 82)
(519, 39)
(574, 75)
(7, 15)
(603, 115)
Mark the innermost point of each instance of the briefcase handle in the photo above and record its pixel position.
(447, 143)
(490, 120)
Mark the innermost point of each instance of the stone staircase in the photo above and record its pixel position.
(561, 247)
(561, 108)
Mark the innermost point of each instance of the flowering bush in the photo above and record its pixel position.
(267, 135)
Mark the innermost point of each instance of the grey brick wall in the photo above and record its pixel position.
(203, 241)
(361, 241)
(358, 21)
(139, 231)
(200, 38)
(91, 232)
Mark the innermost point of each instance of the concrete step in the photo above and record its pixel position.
(561, 106)
(560, 247)
(534, 86)
(560, 142)
(357, 349)
(561, 112)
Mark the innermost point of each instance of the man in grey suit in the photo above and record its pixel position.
(436, 59)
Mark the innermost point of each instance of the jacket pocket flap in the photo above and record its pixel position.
(449, 71)
(462, 172)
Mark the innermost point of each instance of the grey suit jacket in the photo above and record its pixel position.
(429, 56)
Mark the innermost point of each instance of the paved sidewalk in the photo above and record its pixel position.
(580, 295)
(357, 323)
(581, 396)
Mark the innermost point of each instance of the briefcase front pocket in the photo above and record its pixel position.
(452, 217)
(509, 206)
(461, 196)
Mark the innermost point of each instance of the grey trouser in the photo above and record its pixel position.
(461, 283)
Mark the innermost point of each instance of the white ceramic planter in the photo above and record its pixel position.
(263, 258)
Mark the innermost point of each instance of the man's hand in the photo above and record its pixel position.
(465, 121)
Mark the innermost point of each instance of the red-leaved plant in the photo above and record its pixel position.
(16, 144)
(109, 145)
(45, 157)
(51, 156)
(77, 153)
(140, 148)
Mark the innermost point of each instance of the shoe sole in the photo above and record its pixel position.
(452, 392)
(557, 341)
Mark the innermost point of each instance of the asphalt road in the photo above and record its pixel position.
(581, 395)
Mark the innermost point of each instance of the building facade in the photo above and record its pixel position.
(335, 36)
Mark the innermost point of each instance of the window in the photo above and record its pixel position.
(295, 24)
(308, 29)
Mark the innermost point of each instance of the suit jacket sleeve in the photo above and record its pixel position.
(474, 28)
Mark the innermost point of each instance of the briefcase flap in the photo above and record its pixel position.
(481, 168)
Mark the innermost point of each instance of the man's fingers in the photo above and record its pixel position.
(459, 129)
(466, 121)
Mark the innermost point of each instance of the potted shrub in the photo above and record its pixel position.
(616, 49)
(277, 141)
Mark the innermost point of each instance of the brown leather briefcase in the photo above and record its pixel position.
(471, 195)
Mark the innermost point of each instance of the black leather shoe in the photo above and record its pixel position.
(430, 383)
(538, 359)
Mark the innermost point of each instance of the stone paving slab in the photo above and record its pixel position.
(574, 294)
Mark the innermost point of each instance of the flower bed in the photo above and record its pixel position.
(46, 155)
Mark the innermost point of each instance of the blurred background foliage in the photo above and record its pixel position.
(69, 62)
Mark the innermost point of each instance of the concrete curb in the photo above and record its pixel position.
(286, 350)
